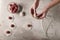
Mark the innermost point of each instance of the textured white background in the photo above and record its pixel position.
(46, 28)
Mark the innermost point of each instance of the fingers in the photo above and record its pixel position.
(32, 12)
(38, 16)
(34, 7)
(41, 16)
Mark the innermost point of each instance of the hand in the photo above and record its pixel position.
(34, 7)
(42, 14)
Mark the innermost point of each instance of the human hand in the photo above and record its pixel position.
(34, 7)
(42, 14)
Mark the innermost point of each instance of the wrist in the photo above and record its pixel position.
(47, 8)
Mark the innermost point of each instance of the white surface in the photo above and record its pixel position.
(21, 31)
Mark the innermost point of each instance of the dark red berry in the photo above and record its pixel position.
(12, 25)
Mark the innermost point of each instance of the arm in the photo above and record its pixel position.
(47, 7)
(36, 3)
(52, 3)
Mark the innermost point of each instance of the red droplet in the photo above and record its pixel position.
(12, 25)
(29, 25)
(10, 17)
(8, 32)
